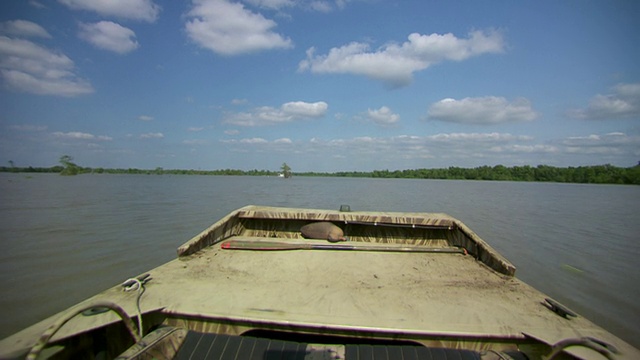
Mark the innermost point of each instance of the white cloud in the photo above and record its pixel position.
(595, 140)
(482, 110)
(230, 29)
(402, 146)
(28, 67)
(239, 101)
(23, 28)
(383, 116)
(614, 144)
(476, 137)
(321, 6)
(109, 36)
(232, 132)
(623, 103)
(145, 10)
(288, 112)
(255, 140)
(258, 144)
(301, 109)
(395, 64)
(446, 149)
(514, 149)
(195, 129)
(77, 135)
(145, 118)
(157, 135)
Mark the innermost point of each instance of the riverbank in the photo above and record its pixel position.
(597, 174)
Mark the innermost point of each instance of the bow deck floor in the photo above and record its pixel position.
(449, 294)
(431, 298)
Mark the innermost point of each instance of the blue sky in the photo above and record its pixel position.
(323, 85)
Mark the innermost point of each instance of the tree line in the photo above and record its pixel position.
(598, 174)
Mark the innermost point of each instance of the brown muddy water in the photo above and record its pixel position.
(64, 239)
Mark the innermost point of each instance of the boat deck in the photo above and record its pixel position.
(425, 293)
(406, 295)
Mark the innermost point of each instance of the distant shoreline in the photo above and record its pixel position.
(597, 174)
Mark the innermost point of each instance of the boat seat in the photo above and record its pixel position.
(174, 343)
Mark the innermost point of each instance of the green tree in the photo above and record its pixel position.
(13, 167)
(69, 167)
(286, 170)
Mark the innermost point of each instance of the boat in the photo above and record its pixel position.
(251, 286)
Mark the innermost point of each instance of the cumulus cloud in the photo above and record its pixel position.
(28, 67)
(267, 115)
(145, 10)
(610, 147)
(383, 116)
(527, 149)
(477, 137)
(152, 135)
(145, 118)
(463, 147)
(258, 144)
(394, 64)
(624, 102)
(109, 36)
(482, 110)
(23, 28)
(231, 29)
(451, 149)
(77, 135)
(400, 147)
(595, 143)
(247, 141)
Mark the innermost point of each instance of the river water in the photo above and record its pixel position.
(65, 238)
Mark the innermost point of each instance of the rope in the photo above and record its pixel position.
(136, 284)
(129, 285)
(48, 334)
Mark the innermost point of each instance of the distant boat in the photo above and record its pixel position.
(418, 285)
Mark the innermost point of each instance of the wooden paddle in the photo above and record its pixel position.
(283, 245)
